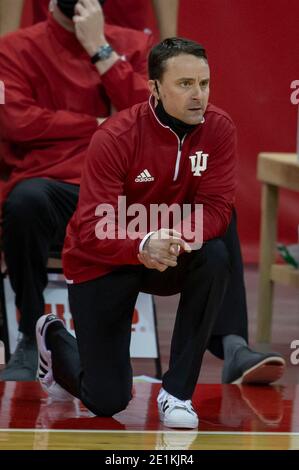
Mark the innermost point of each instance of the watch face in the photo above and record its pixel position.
(105, 52)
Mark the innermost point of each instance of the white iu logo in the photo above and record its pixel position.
(198, 162)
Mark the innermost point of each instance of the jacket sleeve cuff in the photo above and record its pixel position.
(142, 243)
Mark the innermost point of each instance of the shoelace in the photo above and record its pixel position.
(176, 403)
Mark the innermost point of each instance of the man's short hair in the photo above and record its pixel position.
(168, 48)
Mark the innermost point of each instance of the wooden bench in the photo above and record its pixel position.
(275, 171)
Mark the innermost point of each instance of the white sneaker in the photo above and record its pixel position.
(44, 371)
(176, 413)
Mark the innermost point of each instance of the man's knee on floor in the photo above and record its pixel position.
(105, 403)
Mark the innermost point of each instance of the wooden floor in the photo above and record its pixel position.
(231, 417)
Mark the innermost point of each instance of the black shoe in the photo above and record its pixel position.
(22, 365)
(252, 367)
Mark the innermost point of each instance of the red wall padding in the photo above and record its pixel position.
(253, 50)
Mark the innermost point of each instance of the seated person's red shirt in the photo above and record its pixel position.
(134, 14)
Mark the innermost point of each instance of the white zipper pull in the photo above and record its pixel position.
(178, 157)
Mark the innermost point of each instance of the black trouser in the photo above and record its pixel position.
(97, 368)
(35, 216)
(232, 318)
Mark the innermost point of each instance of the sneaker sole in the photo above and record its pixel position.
(182, 425)
(267, 371)
(57, 393)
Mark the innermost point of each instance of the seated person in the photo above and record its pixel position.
(129, 14)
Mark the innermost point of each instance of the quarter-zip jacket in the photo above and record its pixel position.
(134, 155)
(54, 95)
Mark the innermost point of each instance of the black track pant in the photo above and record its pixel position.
(97, 368)
(35, 216)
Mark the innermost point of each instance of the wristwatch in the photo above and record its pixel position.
(103, 53)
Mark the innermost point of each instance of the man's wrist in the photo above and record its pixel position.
(104, 53)
(145, 241)
(94, 47)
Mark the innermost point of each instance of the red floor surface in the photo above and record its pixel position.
(221, 408)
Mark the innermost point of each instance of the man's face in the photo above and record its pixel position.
(184, 88)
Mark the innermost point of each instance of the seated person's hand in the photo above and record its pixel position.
(89, 25)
